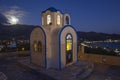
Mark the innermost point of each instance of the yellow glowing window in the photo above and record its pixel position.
(48, 19)
(58, 19)
(35, 46)
(23, 49)
(69, 45)
(69, 42)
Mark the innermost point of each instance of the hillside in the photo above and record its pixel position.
(94, 36)
(15, 31)
(23, 32)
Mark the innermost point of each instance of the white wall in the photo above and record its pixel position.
(37, 57)
(63, 46)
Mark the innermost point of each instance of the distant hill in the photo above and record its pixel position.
(15, 31)
(94, 36)
(23, 32)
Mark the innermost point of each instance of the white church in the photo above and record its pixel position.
(54, 44)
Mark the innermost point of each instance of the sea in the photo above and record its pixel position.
(110, 45)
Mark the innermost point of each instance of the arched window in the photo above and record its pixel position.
(58, 19)
(69, 48)
(39, 46)
(49, 21)
(67, 20)
(35, 46)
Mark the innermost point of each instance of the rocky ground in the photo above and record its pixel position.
(9, 70)
(105, 72)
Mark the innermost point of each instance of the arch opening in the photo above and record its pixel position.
(49, 20)
(69, 48)
(67, 20)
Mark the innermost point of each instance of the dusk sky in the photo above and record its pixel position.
(86, 15)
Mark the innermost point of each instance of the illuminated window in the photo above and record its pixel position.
(23, 49)
(35, 46)
(39, 46)
(67, 20)
(69, 42)
(69, 48)
(48, 19)
(58, 19)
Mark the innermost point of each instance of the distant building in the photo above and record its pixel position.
(12, 45)
(54, 45)
(1, 47)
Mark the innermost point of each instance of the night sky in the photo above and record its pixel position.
(86, 15)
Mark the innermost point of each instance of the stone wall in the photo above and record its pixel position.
(103, 59)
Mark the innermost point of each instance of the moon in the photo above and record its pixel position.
(13, 20)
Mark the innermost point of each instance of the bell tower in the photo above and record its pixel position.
(53, 19)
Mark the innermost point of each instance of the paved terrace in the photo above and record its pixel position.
(80, 71)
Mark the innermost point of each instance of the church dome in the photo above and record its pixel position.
(52, 9)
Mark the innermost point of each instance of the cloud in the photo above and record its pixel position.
(3, 19)
(14, 11)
